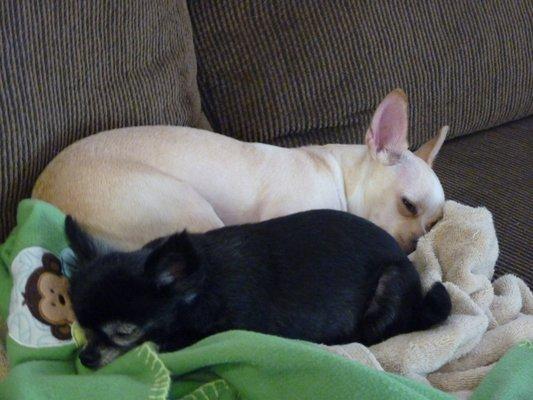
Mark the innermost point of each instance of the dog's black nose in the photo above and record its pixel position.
(411, 246)
(90, 359)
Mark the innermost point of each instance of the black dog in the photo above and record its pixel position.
(323, 276)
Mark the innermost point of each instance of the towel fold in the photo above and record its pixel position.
(487, 318)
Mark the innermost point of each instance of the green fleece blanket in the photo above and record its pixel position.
(34, 266)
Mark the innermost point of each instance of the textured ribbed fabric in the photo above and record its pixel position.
(296, 72)
(494, 168)
(288, 72)
(72, 68)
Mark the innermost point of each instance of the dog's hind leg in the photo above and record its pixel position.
(138, 205)
(399, 306)
(386, 314)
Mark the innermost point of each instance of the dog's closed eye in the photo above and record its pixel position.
(409, 206)
(122, 333)
(125, 330)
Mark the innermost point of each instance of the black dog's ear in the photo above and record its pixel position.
(174, 262)
(85, 246)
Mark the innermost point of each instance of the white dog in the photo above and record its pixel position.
(132, 185)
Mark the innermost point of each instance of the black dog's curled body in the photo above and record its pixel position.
(323, 276)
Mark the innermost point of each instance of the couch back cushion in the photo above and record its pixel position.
(296, 72)
(69, 69)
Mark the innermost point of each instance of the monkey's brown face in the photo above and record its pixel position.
(47, 297)
(55, 306)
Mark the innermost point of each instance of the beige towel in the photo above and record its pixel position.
(486, 320)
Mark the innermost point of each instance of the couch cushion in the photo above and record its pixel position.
(70, 69)
(494, 168)
(295, 72)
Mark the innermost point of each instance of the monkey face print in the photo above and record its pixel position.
(40, 313)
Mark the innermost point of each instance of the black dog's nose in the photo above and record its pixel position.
(89, 359)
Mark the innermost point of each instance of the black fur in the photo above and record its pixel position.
(323, 276)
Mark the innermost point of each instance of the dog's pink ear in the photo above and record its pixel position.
(387, 136)
(429, 150)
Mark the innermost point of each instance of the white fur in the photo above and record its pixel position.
(132, 185)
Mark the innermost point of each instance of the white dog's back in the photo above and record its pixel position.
(152, 181)
(132, 185)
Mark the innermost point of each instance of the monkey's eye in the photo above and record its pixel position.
(409, 206)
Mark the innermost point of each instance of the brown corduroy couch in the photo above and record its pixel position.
(284, 72)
